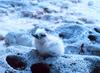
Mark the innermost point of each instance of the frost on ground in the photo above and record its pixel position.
(77, 22)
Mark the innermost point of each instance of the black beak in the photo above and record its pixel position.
(39, 36)
(36, 36)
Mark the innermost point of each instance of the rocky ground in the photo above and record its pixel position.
(77, 22)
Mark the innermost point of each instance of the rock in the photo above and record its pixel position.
(40, 68)
(16, 62)
(26, 14)
(67, 63)
(18, 38)
(13, 3)
(87, 21)
(96, 67)
(8, 71)
(75, 1)
(72, 50)
(92, 49)
(47, 17)
(96, 70)
(18, 49)
(3, 13)
(71, 64)
(98, 39)
(10, 39)
(71, 33)
(64, 64)
(90, 3)
(25, 40)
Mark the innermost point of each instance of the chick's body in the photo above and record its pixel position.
(50, 45)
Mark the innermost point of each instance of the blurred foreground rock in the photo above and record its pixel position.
(64, 64)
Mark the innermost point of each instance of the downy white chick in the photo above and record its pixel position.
(47, 44)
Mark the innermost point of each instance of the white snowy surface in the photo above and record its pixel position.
(75, 18)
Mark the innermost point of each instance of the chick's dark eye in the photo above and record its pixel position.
(43, 35)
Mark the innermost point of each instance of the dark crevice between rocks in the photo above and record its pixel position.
(82, 49)
(96, 69)
(40, 68)
(16, 62)
(61, 35)
(1, 37)
(97, 30)
(46, 10)
(92, 37)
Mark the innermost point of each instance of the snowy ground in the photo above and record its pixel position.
(77, 18)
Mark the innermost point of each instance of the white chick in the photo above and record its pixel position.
(47, 44)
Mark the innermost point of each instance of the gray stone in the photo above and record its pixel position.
(71, 33)
(66, 63)
(18, 38)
